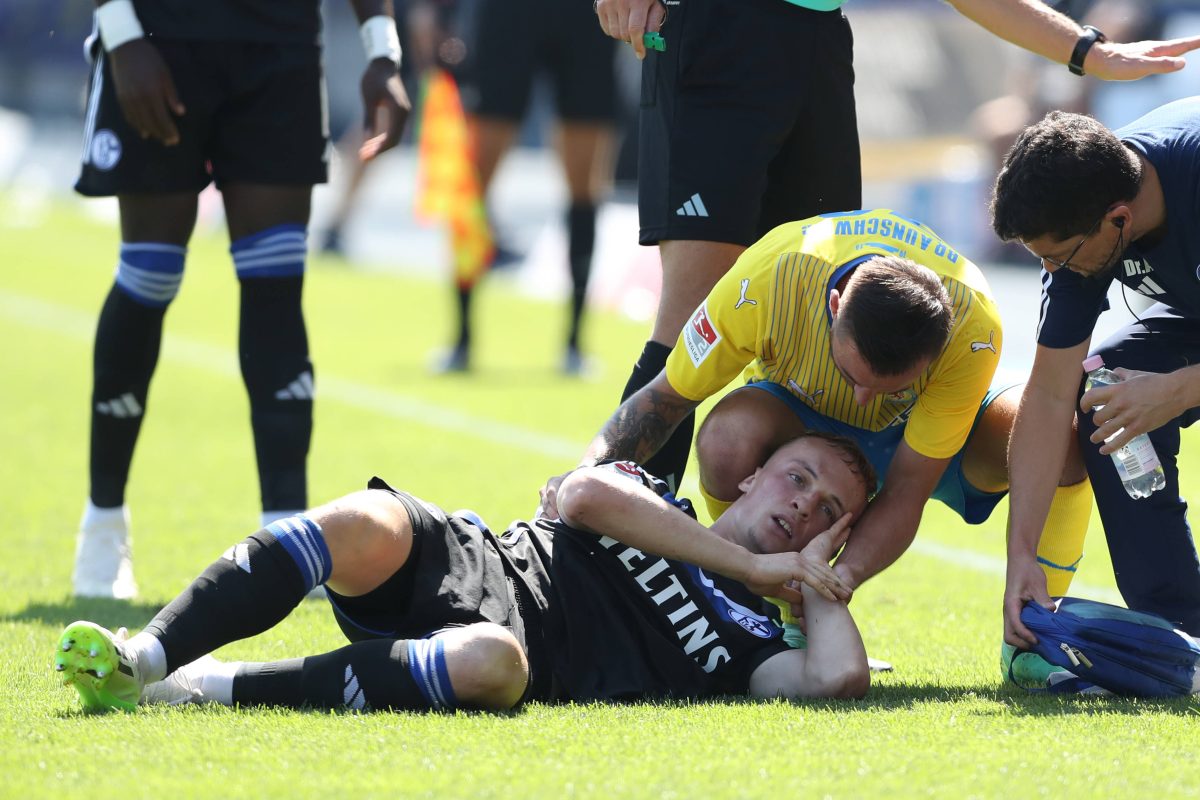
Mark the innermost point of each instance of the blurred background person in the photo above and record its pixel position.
(425, 29)
(509, 44)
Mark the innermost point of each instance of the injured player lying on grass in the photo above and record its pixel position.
(626, 596)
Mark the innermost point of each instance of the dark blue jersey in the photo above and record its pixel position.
(623, 623)
(266, 21)
(1168, 271)
(598, 619)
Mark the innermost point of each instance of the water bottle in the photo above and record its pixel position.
(1136, 462)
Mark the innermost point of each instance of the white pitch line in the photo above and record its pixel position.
(992, 565)
(37, 313)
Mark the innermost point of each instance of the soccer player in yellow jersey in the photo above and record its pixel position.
(865, 324)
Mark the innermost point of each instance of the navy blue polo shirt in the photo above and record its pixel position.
(1167, 272)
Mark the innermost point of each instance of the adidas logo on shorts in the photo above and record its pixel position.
(693, 207)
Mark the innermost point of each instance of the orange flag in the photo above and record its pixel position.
(447, 182)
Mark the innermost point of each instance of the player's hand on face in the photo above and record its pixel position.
(146, 91)
(780, 574)
(548, 497)
(816, 556)
(1025, 581)
(1143, 402)
(1127, 61)
(824, 546)
(629, 20)
(386, 108)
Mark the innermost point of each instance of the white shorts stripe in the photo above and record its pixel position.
(93, 108)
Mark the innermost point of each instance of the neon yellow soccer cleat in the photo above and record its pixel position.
(92, 659)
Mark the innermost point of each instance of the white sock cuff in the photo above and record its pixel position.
(217, 683)
(94, 516)
(151, 658)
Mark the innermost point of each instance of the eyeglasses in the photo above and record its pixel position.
(1066, 262)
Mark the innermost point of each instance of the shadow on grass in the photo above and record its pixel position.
(111, 614)
(1015, 703)
(1007, 700)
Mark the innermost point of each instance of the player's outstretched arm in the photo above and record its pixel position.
(385, 102)
(1040, 29)
(834, 664)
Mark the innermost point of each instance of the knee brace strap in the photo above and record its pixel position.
(150, 272)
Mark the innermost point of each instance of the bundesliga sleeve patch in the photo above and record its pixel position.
(627, 469)
(699, 335)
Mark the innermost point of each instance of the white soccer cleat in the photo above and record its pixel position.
(103, 562)
(184, 685)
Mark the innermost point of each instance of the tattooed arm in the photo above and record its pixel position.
(641, 425)
(635, 432)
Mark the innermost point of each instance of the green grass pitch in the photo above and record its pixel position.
(940, 725)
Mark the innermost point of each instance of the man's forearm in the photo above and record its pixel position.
(886, 530)
(613, 506)
(890, 523)
(639, 427)
(1036, 453)
(1029, 24)
(1186, 382)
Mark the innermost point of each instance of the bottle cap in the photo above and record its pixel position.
(1092, 362)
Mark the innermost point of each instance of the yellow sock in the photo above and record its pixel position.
(715, 507)
(1061, 547)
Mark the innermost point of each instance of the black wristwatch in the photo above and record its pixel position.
(1090, 37)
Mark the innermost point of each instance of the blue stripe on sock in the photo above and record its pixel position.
(443, 674)
(285, 533)
(304, 535)
(277, 252)
(427, 663)
(416, 666)
(150, 272)
(305, 543)
(1065, 568)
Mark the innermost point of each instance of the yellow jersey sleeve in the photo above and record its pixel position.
(725, 332)
(959, 379)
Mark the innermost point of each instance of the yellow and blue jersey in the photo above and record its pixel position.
(769, 318)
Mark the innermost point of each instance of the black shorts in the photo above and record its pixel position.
(454, 576)
(510, 41)
(255, 113)
(747, 121)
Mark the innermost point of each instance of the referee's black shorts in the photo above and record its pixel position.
(747, 121)
(511, 41)
(255, 113)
